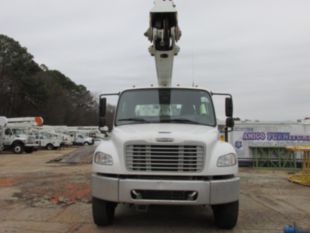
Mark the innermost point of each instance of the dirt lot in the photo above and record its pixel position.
(36, 196)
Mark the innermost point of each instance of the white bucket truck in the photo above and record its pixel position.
(63, 131)
(49, 139)
(19, 134)
(164, 148)
(20, 137)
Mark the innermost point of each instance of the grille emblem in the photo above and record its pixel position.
(164, 139)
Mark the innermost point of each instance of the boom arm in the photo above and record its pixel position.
(164, 32)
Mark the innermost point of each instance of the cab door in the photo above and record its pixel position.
(8, 137)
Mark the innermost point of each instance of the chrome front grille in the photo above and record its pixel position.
(164, 158)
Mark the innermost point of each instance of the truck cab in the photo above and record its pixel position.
(164, 149)
(81, 139)
(19, 138)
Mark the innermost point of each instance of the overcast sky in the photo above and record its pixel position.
(258, 50)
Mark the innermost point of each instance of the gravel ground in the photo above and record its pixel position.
(37, 196)
(80, 156)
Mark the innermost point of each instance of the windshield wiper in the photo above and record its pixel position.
(134, 119)
(182, 120)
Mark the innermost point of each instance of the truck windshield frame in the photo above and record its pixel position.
(165, 105)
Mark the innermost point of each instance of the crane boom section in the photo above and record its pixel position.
(163, 33)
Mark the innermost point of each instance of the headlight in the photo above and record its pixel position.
(103, 159)
(227, 160)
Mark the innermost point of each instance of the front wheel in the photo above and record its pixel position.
(18, 148)
(103, 212)
(49, 146)
(226, 215)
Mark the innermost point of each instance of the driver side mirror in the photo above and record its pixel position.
(102, 107)
(229, 107)
(102, 112)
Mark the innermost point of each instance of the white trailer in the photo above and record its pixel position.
(164, 147)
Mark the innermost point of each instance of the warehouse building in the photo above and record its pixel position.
(265, 144)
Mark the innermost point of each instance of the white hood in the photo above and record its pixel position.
(164, 134)
(168, 133)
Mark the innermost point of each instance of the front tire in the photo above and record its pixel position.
(18, 148)
(49, 147)
(103, 212)
(226, 215)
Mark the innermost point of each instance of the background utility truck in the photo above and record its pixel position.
(164, 148)
(20, 137)
(3, 123)
(48, 139)
(19, 134)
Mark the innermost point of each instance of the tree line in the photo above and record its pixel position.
(30, 89)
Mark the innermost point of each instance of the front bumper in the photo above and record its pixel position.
(208, 192)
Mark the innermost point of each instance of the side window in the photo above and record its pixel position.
(124, 112)
(8, 132)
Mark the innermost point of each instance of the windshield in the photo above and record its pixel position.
(185, 106)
